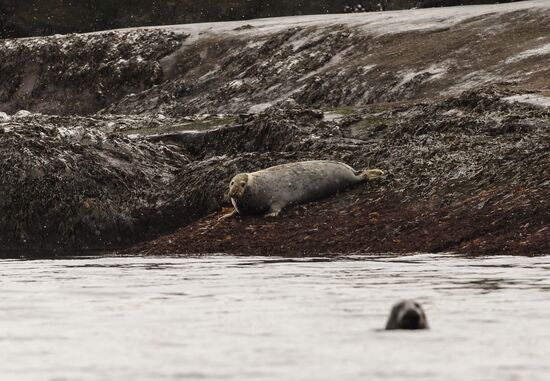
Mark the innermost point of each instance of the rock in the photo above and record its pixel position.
(4, 117)
(438, 166)
(80, 73)
(22, 114)
(69, 186)
(322, 65)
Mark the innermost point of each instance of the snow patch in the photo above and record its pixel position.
(432, 73)
(365, 69)
(540, 51)
(210, 73)
(335, 60)
(471, 80)
(375, 23)
(298, 42)
(532, 99)
(330, 116)
(260, 107)
(236, 84)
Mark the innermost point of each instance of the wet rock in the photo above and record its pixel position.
(66, 185)
(452, 184)
(325, 65)
(76, 183)
(80, 73)
(22, 114)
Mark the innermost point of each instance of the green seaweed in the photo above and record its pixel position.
(374, 121)
(342, 110)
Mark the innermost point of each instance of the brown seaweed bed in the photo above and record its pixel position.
(354, 223)
(452, 186)
(131, 137)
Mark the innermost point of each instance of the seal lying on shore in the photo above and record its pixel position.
(407, 314)
(270, 190)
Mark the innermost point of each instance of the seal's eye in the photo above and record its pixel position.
(232, 182)
(243, 184)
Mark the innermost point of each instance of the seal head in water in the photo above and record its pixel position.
(407, 314)
(270, 190)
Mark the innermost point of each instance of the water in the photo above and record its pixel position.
(236, 318)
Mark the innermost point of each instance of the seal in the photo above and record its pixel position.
(270, 190)
(407, 314)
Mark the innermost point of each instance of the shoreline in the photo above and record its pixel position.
(116, 138)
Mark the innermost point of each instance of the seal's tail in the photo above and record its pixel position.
(372, 174)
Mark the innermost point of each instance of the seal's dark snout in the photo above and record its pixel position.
(411, 320)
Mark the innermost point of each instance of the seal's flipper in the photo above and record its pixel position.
(372, 174)
(228, 215)
(274, 211)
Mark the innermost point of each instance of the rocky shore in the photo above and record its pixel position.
(129, 138)
(456, 181)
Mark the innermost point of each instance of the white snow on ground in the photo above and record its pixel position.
(532, 99)
(304, 39)
(260, 107)
(365, 69)
(434, 72)
(236, 84)
(540, 51)
(334, 61)
(330, 116)
(472, 79)
(375, 23)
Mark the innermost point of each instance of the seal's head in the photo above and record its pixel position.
(407, 314)
(238, 185)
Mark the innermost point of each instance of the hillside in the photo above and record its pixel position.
(47, 17)
(129, 135)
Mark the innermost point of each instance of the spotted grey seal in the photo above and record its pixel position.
(270, 190)
(407, 314)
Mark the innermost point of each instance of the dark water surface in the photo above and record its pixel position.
(236, 318)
